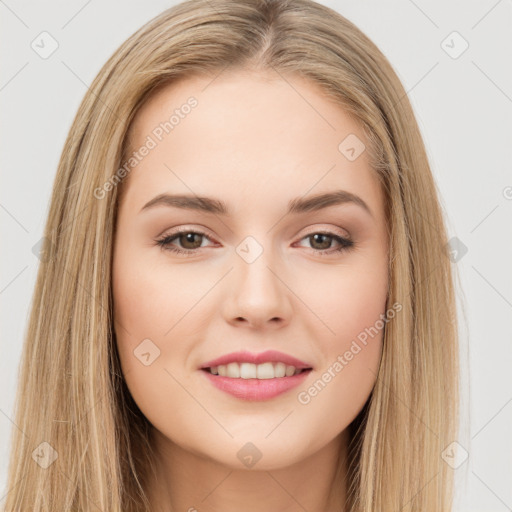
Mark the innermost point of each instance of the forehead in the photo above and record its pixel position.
(245, 131)
(263, 103)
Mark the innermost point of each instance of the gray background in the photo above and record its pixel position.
(463, 106)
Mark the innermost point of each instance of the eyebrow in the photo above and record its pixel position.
(295, 206)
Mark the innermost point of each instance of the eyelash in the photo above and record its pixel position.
(165, 242)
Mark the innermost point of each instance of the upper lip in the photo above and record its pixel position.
(263, 357)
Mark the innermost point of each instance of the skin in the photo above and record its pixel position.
(254, 141)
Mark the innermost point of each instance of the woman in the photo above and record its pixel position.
(246, 301)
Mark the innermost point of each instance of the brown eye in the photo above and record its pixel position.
(190, 240)
(185, 242)
(322, 241)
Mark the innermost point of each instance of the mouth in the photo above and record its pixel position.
(249, 376)
(256, 381)
(263, 371)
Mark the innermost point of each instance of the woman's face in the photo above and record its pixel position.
(264, 265)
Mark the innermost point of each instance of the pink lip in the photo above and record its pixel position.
(272, 356)
(255, 389)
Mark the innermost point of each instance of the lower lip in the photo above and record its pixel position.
(256, 389)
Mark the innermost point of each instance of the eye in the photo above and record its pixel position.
(190, 241)
(321, 242)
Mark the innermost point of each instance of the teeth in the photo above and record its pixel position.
(290, 370)
(265, 371)
(280, 369)
(233, 370)
(254, 371)
(247, 370)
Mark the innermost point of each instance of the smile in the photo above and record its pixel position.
(268, 370)
(256, 381)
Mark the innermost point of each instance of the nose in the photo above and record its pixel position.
(257, 294)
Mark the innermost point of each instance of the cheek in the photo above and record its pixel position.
(145, 308)
(348, 300)
(155, 310)
(149, 297)
(142, 306)
(352, 305)
(358, 307)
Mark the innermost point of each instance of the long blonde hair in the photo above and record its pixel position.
(71, 392)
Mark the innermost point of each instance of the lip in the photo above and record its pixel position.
(272, 356)
(255, 389)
